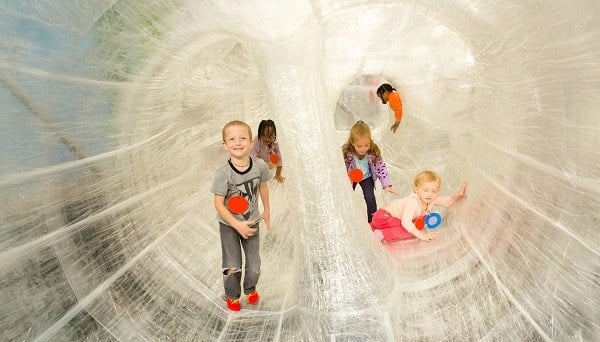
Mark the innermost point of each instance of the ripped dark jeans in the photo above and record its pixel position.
(232, 245)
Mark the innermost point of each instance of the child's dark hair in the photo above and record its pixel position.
(383, 88)
(264, 124)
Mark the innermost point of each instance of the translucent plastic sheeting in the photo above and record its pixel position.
(110, 133)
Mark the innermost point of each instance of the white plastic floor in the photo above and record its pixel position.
(111, 116)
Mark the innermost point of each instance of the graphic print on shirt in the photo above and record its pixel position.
(247, 190)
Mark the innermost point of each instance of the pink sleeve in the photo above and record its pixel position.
(277, 153)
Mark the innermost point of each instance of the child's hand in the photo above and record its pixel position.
(390, 190)
(428, 236)
(462, 191)
(244, 228)
(267, 218)
(395, 127)
(279, 178)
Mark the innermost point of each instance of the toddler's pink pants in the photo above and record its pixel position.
(390, 226)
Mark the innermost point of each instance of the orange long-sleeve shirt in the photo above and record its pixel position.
(396, 105)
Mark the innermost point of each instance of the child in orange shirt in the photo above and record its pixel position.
(387, 93)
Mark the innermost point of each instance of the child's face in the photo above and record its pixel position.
(268, 136)
(237, 141)
(427, 191)
(361, 145)
(384, 96)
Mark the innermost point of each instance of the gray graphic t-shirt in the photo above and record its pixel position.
(230, 182)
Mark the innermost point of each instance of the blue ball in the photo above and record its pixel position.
(432, 220)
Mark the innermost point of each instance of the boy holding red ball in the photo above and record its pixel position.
(236, 186)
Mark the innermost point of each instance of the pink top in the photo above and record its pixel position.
(264, 152)
(410, 207)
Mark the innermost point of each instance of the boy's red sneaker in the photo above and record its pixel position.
(233, 304)
(253, 297)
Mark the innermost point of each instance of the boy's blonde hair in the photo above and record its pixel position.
(237, 123)
(427, 176)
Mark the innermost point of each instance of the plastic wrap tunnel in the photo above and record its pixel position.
(111, 124)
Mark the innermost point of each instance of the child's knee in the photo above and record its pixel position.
(231, 270)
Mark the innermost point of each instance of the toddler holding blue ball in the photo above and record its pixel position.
(396, 221)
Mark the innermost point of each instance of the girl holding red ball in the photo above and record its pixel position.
(265, 146)
(365, 165)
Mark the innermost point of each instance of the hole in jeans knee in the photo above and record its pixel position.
(231, 270)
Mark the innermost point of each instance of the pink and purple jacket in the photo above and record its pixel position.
(262, 151)
(378, 169)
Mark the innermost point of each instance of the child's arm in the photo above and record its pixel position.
(396, 105)
(383, 175)
(277, 152)
(407, 216)
(263, 189)
(242, 227)
(279, 163)
(348, 158)
(450, 200)
(278, 177)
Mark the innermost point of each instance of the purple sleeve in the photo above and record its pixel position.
(381, 171)
(348, 160)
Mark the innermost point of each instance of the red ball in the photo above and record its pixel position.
(237, 204)
(356, 175)
(420, 222)
(274, 158)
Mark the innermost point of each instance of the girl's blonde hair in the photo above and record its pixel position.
(237, 123)
(427, 176)
(361, 129)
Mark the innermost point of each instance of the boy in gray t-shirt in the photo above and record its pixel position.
(241, 178)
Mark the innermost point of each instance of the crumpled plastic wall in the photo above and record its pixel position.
(111, 120)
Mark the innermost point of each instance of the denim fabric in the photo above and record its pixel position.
(232, 245)
(368, 189)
